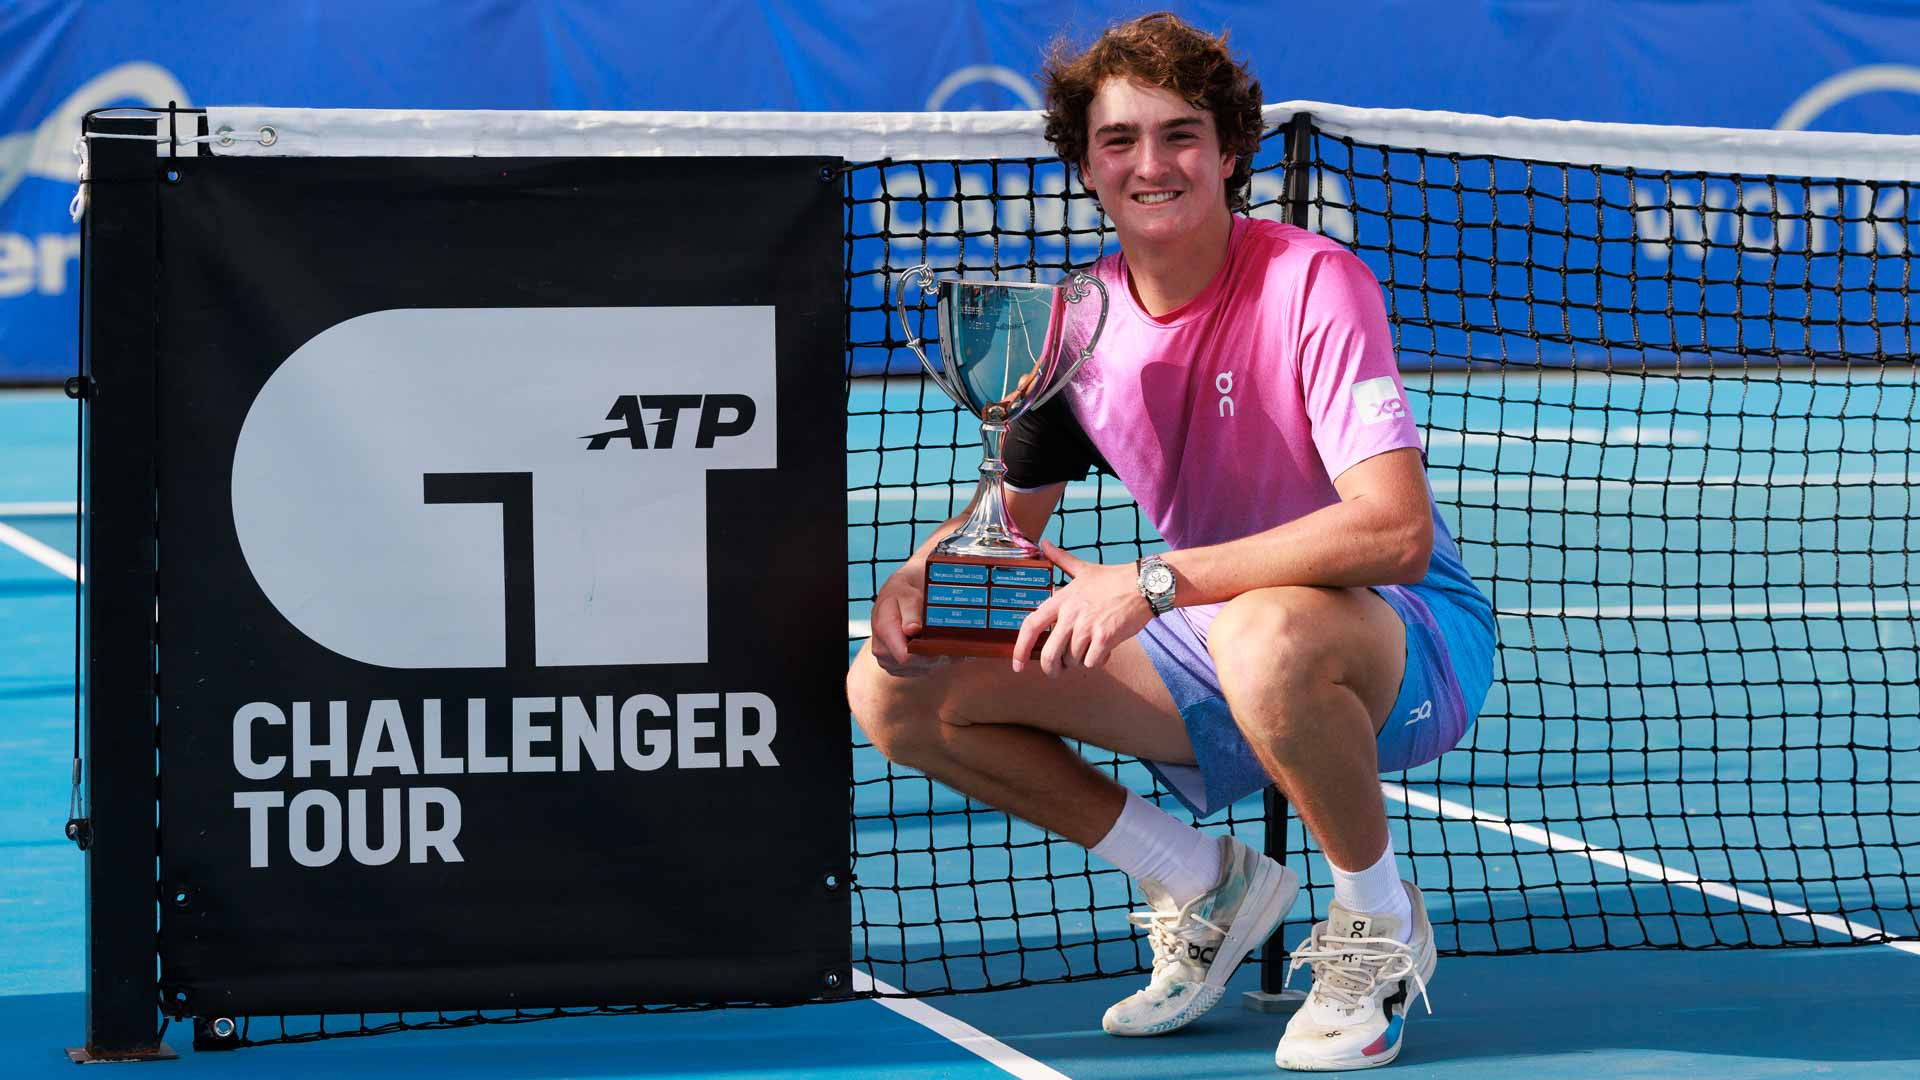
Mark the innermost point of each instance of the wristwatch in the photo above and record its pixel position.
(1156, 583)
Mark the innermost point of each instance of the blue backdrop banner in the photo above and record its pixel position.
(1769, 63)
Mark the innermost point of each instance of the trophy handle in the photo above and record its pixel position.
(1074, 291)
(927, 288)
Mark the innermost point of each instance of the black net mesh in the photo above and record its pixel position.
(1670, 418)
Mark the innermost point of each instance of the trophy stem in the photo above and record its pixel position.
(989, 531)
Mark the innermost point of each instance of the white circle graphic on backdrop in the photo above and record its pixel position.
(1848, 84)
(983, 74)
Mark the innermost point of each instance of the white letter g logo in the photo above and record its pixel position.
(412, 489)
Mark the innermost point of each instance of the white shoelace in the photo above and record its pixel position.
(1349, 976)
(1170, 932)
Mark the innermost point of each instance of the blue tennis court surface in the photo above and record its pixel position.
(1726, 671)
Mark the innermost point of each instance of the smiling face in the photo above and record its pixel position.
(1156, 163)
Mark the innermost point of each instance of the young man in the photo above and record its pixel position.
(1311, 625)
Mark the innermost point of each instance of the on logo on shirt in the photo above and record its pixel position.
(1378, 401)
(1223, 382)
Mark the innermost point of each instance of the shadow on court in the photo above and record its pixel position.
(1841, 1012)
(833, 1040)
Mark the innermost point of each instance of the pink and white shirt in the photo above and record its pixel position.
(1235, 412)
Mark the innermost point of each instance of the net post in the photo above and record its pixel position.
(1297, 164)
(119, 684)
(1273, 996)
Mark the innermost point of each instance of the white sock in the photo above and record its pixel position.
(1147, 842)
(1375, 891)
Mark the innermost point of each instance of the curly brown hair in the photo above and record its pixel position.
(1161, 50)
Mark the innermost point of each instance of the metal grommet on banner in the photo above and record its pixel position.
(79, 387)
(268, 136)
(216, 1033)
(832, 980)
(224, 136)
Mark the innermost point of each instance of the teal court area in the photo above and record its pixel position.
(1753, 751)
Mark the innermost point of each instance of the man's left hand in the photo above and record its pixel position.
(1090, 615)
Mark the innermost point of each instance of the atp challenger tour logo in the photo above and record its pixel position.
(410, 491)
(420, 489)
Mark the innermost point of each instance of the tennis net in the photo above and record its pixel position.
(1666, 382)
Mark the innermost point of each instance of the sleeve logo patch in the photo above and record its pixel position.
(1378, 401)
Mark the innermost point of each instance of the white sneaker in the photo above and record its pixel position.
(1362, 979)
(1197, 945)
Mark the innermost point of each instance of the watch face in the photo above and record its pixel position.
(1159, 579)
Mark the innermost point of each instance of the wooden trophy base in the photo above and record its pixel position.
(975, 604)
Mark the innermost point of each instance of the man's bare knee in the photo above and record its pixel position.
(898, 714)
(1279, 646)
(1271, 640)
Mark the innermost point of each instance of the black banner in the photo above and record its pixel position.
(501, 598)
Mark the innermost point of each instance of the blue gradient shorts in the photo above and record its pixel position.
(1449, 670)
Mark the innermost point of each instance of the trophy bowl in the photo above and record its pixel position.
(1006, 347)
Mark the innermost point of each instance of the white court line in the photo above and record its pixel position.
(1443, 481)
(1760, 609)
(1624, 435)
(1892, 608)
(36, 509)
(959, 1032)
(39, 552)
(1646, 868)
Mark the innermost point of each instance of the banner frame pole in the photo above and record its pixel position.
(119, 353)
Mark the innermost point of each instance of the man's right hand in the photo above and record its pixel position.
(897, 612)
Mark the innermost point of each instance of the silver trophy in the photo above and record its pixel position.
(1006, 347)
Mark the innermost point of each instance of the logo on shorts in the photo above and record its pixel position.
(1378, 400)
(1424, 711)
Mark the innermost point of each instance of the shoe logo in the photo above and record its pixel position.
(1195, 952)
(1358, 929)
(1423, 712)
